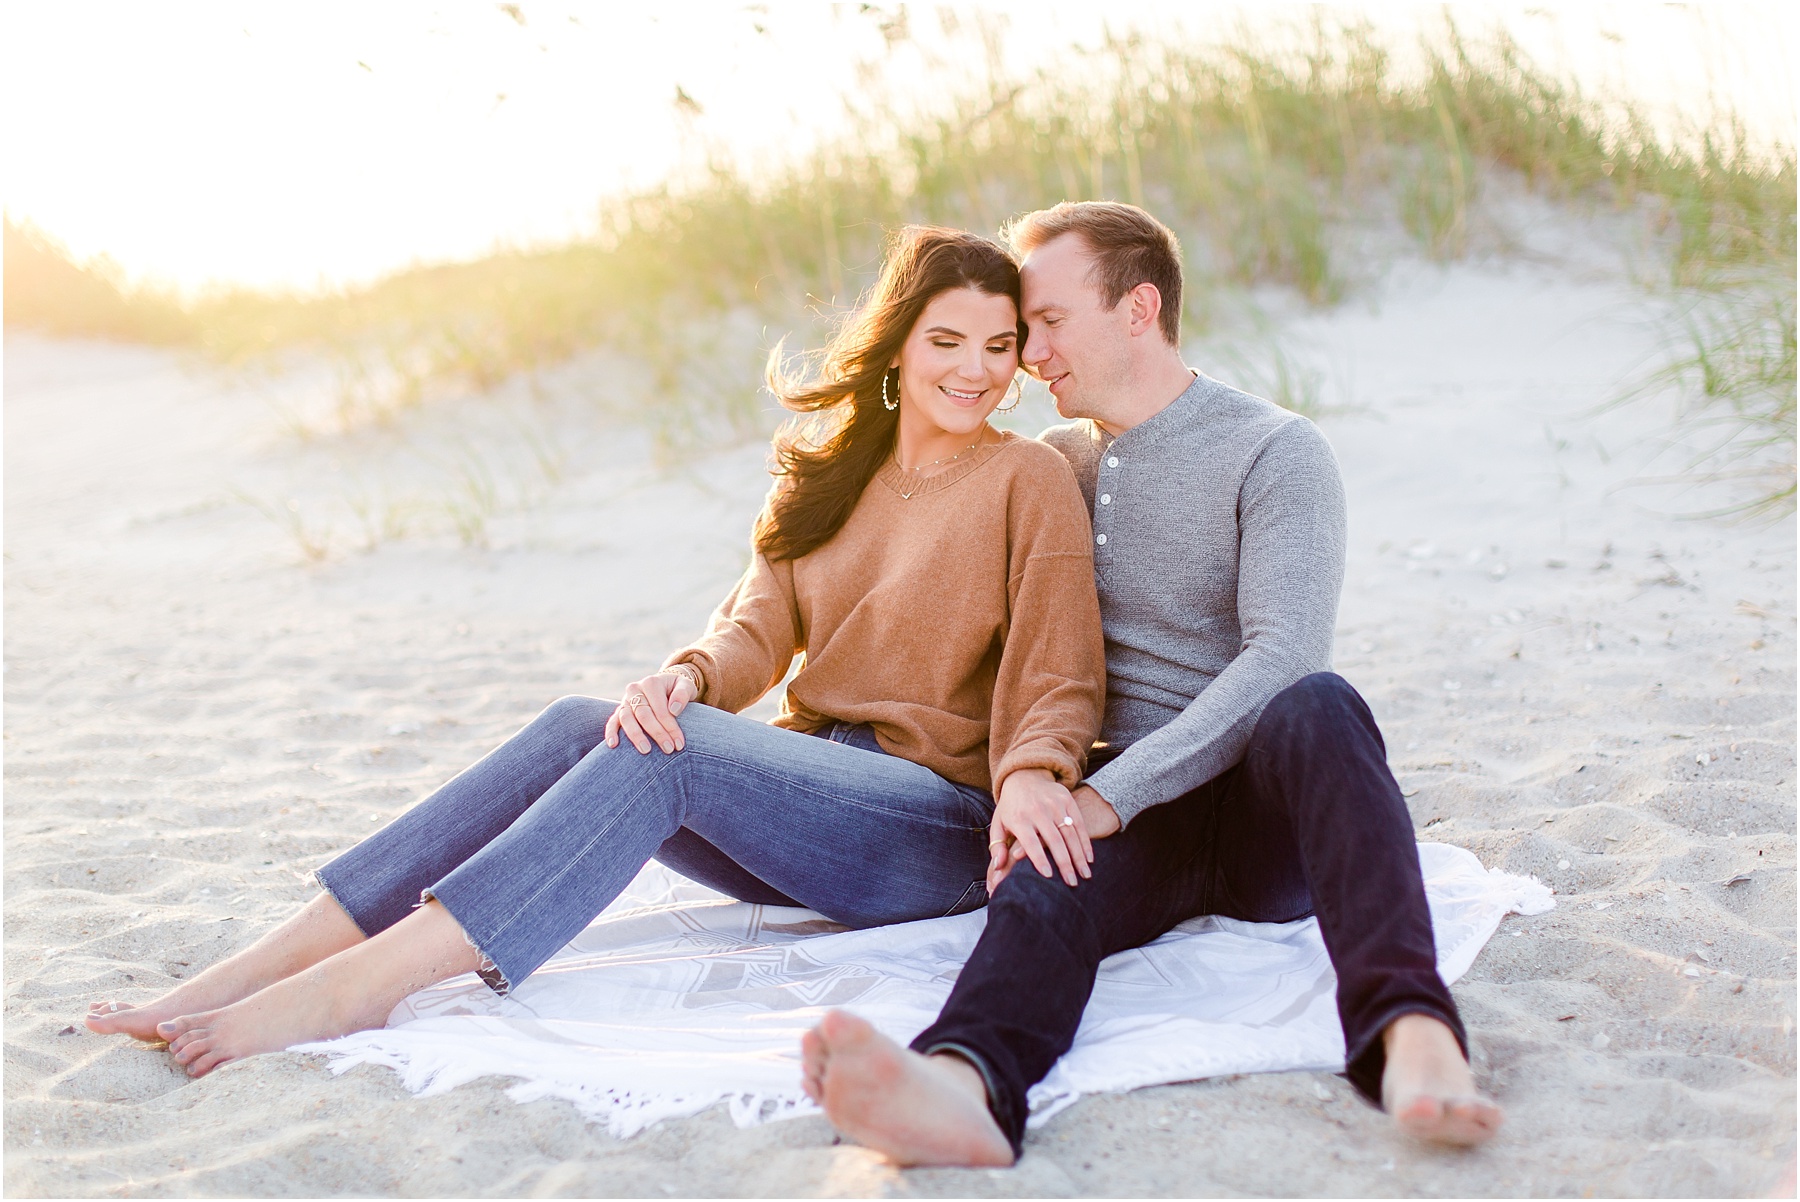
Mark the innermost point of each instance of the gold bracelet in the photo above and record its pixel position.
(689, 673)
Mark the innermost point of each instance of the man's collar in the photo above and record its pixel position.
(1170, 416)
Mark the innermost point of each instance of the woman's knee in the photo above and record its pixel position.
(575, 719)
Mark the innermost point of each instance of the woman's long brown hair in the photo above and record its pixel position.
(823, 465)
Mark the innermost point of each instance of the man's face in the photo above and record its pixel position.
(1074, 343)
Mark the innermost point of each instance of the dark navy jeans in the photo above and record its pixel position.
(525, 847)
(1309, 821)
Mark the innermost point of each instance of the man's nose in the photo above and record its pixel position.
(1037, 348)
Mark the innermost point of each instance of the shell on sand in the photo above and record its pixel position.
(1572, 683)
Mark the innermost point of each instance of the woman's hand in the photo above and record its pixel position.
(648, 712)
(1035, 817)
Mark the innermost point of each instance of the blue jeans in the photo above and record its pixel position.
(525, 847)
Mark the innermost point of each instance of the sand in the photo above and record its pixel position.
(1574, 683)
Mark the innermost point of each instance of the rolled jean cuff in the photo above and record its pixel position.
(1365, 1063)
(1014, 1131)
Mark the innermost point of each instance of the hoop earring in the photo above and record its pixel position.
(889, 405)
(1018, 394)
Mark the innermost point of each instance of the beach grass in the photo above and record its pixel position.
(1730, 365)
(1267, 159)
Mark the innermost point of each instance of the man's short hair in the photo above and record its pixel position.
(1129, 246)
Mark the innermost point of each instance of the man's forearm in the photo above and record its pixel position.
(1203, 741)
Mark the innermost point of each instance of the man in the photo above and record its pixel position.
(1237, 776)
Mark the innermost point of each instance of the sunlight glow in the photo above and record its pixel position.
(314, 145)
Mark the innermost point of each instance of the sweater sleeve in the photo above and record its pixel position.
(1290, 573)
(1050, 686)
(751, 639)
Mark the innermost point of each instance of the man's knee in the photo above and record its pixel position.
(1311, 707)
(1049, 900)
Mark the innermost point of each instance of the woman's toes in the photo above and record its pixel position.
(191, 1047)
(174, 1028)
(206, 1064)
(106, 1016)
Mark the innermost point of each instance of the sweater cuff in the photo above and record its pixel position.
(1120, 791)
(1048, 754)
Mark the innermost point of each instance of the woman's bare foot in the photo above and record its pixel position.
(919, 1110)
(320, 929)
(354, 990)
(1428, 1088)
(316, 1004)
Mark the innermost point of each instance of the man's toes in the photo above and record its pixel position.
(843, 1031)
(1477, 1118)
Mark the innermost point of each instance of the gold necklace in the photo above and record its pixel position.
(907, 494)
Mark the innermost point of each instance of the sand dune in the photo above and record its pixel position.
(1573, 684)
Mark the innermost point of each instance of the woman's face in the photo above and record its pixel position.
(958, 361)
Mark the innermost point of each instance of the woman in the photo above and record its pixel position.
(934, 573)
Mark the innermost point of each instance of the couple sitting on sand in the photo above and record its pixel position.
(967, 604)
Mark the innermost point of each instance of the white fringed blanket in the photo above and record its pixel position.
(677, 998)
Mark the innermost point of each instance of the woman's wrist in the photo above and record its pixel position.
(1024, 774)
(689, 673)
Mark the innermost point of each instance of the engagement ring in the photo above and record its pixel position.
(636, 700)
(1068, 821)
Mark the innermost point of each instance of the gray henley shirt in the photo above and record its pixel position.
(1219, 558)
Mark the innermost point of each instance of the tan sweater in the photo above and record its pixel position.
(960, 624)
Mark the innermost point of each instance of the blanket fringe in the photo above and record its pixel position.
(622, 1111)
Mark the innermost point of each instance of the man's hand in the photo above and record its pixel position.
(1036, 817)
(1097, 812)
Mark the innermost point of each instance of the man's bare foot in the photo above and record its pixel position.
(1428, 1088)
(320, 929)
(920, 1110)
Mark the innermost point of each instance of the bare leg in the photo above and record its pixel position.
(1428, 1088)
(920, 1110)
(320, 929)
(353, 990)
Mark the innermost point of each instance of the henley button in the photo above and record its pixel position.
(1106, 498)
(1101, 539)
(1112, 461)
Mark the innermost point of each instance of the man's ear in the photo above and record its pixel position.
(1146, 307)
